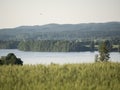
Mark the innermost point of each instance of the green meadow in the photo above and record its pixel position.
(95, 76)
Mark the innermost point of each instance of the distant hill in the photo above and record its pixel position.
(63, 31)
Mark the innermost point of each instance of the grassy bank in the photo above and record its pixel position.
(97, 76)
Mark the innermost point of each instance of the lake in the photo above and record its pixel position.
(57, 57)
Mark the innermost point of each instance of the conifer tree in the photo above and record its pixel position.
(104, 50)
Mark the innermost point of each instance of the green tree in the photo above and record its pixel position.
(10, 59)
(104, 49)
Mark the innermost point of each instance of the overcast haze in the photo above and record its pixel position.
(14, 13)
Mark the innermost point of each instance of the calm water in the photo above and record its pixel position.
(57, 57)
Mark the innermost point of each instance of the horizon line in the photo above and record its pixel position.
(60, 24)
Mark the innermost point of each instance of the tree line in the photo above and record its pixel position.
(57, 45)
(52, 46)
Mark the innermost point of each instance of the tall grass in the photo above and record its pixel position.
(97, 76)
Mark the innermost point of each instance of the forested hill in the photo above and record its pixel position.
(110, 30)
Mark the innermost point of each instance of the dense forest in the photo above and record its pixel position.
(9, 44)
(53, 46)
(110, 30)
(61, 46)
(61, 37)
(57, 45)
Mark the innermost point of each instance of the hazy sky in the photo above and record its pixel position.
(38, 12)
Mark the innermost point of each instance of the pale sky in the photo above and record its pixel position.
(15, 13)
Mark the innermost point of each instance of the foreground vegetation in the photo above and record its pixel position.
(96, 76)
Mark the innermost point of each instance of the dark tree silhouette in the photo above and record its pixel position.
(10, 59)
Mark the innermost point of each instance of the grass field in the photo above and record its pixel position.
(96, 76)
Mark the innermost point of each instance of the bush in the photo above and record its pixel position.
(10, 59)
